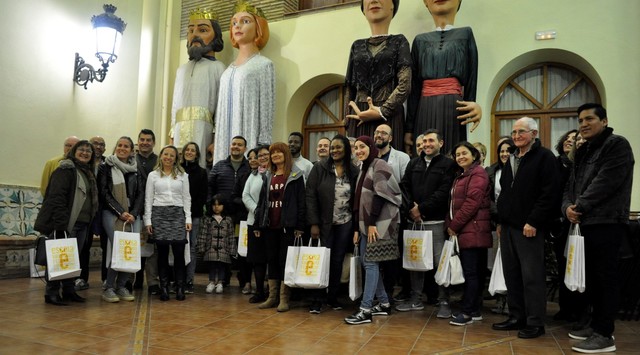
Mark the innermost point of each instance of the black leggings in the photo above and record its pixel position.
(178, 258)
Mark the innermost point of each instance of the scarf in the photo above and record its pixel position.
(373, 154)
(119, 187)
(87, 170)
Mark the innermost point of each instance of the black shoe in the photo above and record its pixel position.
(315, 308)
(258, 298)
(509, 324)
(530, 332)
(54, 300)
(335, 305)
(402, 296)
(73, 297)
(154, 290)
(180, 291)
(360, 317)
(189, 288)
(381, 310)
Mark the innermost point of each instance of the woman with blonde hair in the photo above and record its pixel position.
(167, 216)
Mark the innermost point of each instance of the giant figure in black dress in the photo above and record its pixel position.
(378, 77)
(444, 78)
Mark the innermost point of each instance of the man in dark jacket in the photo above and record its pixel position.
(222, 179)
(526, 206)
(598, 196)
(425, 189)
(225, 173)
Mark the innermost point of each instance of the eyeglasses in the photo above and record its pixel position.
(382, 133)
(519, 132)
(264, 155)
(84, 150)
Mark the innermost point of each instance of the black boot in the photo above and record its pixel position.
(180, 290)
(164, 289)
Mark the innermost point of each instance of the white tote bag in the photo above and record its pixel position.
(417, 254)
(457, 274)
(355, 275)
(125, 256)
(443, 274)
(497, 283)
(574, 276)
(313, 266)
(291, 263)
(62, 258)
(243, 238)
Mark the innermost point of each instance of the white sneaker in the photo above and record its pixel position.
(219, 287)
(247, 289)
(210, 287)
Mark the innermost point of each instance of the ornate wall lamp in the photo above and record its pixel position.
(109, 29)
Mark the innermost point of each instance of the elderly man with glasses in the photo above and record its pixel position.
(526, 205)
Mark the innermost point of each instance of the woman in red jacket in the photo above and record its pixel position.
(470, 220)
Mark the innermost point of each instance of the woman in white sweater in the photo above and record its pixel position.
(256, 247)
(167, 215)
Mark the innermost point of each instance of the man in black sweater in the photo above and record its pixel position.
(526, 207)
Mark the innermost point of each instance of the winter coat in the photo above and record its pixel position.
(222, 180)
(63, 200)
(428, 187)
(320, 195)
(469, 204)
(293, 204)
(216, 240)
(135, 192)
(529, 197)
(198, 186)
(600, 182)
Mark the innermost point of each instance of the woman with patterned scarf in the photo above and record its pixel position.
(376, 218)
(122, 200)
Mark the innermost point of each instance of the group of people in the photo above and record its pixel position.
(363, 193)
(361, 190)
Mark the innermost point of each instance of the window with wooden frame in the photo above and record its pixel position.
(548, 92)
(324, 117)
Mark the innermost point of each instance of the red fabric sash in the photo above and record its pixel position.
(446, 86)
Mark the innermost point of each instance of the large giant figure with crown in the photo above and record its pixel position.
(247, 88)
(195, 94)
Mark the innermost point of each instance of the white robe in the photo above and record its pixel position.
(195, 97)
(246, 105)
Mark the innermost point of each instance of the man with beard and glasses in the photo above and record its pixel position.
(195, 95)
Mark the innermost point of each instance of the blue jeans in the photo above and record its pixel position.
(417, 277)
(108, 220)
(373, 285)
(193, 239)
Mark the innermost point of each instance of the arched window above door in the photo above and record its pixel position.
(324, 117)
(548, 92)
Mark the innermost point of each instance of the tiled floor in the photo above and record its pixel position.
(228, 324)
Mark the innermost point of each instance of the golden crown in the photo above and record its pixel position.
(243, 6)
(202, 14)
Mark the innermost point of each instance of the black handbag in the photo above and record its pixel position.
(41, 252)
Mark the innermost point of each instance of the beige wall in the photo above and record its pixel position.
(41, 105)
